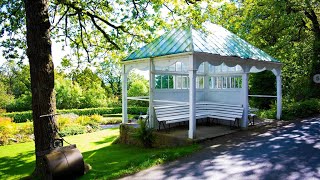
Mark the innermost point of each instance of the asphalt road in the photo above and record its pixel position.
(287, 153)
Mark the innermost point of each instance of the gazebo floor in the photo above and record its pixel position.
(206, 132)
(203, 132)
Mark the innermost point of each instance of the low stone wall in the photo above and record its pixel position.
(127, 136)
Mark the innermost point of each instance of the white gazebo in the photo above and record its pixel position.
(187, 65)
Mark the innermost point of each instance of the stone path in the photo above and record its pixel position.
(288, 152)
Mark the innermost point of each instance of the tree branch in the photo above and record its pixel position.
(104, 33)
(313, 18)
(64, 14)
(82, 42)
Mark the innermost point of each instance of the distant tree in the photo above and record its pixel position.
(90, 28)
(5, 98)
(68, 93)
(16, 78)
(110, 73)
(288, 30)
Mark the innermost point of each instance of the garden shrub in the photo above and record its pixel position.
(112, 115)
(27, 115)
(25, 132)
(72, 129)
(66, 119)
(111, 120)
(84, 120)
(19, 116)
(96, 118)
(293, 110)
(26, 128)
(8, 130)
(90, 123)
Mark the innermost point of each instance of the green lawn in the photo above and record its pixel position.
(108, 160)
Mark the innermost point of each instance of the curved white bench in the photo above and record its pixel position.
(179, 113)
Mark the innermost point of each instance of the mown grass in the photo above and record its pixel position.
(108, 160)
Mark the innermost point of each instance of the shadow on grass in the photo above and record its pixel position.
(117, 160)
(109, 162)
(106, 140)
(21, 164)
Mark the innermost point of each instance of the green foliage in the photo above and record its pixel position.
(145, 134)
(285, 30)
(15, 83)
(19, 116)
(71, 124)
(78, 89)
(87, 121)
(109, 71)
(138, 86)
(64, 120)
(263, 83)
(68, 124)
(72, 129)
(68, 93)
(27, 115)
(26, 128)
(5, 98)
(22, 103)
(111, 120)
(25, 132)
(293, 110)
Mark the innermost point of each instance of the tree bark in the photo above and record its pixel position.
(42, 79)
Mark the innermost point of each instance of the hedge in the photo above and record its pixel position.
(27, 115)
(293, 110)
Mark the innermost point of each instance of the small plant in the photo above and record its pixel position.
(25, 132)
(111, 120)
(8, 130)
(66, 119)
(91, 124)
(145, 134)
(26, 128)
(96, 118)
(73, 129)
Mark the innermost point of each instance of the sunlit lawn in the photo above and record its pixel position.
(108, 160)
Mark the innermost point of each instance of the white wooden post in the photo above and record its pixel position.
(124, 95)
(192, 98)
(245, 93)
(279, 96)
(206, 80)
(151, 94)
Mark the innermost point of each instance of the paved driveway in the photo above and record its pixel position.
(288, 152)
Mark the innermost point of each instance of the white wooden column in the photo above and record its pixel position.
(151, 94)
(206, 80)
(124, 95)
(192, 98)
(279, 95)
(245, 93)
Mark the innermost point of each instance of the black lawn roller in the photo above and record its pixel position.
(63, 162)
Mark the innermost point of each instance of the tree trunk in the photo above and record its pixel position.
(42, 78)
(315, 65)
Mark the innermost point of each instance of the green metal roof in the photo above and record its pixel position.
(216, 41)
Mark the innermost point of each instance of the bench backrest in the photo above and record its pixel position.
(227, 110)
(162, 112)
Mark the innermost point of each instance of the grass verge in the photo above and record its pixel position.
(108, 160)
